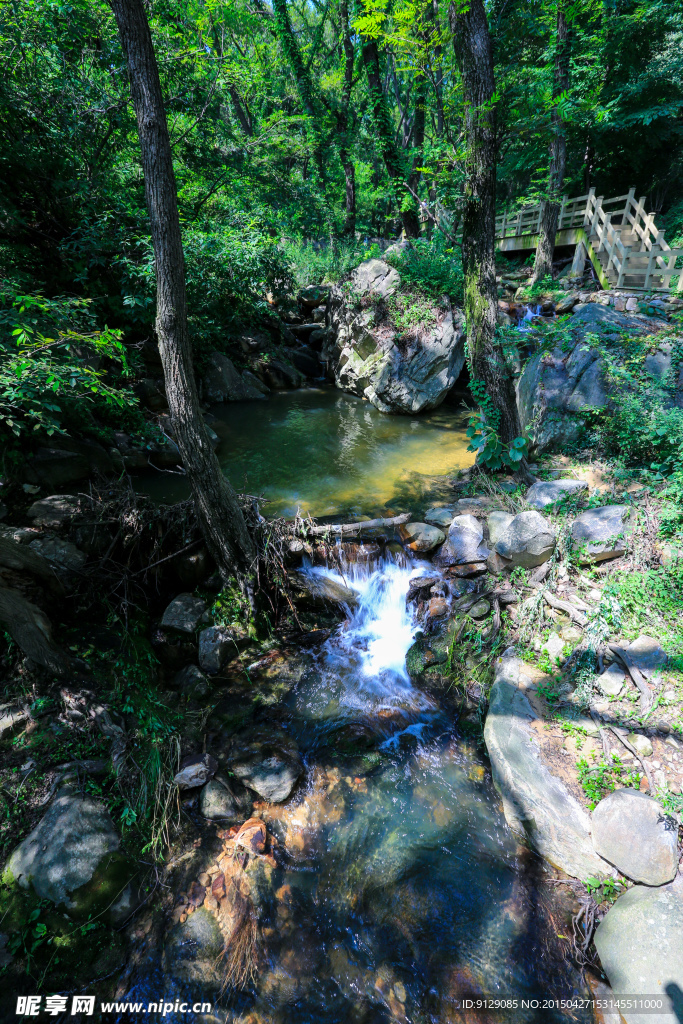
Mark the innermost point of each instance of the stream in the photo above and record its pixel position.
(404, 891)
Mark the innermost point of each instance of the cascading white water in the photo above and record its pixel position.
(369, 651)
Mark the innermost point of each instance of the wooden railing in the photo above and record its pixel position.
(645, 256)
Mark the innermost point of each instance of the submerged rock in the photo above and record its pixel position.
(442, 517)
(271, 775)
(601, 533)
(536, 803)
(321, 589)
(529, 540)
(640, 944)
(223, 800)
(631, 831)
(192, 951)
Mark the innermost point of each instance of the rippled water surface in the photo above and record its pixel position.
(326, 452)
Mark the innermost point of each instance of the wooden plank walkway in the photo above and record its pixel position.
(622, 241)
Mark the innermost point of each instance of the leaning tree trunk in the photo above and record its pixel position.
(550, 209)
(410, 217)
(492, 375)
(216, 504)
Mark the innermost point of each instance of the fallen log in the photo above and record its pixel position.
(636, 675)
(565, 606)
(351, 529)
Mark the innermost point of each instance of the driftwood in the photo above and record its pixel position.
(565, 606)
(632, 750)
(22, 559)
(351, 529)
(30, 629)
(636, 675)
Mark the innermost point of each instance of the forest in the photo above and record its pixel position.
(341, 510)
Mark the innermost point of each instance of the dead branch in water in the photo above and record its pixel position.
(350, 529)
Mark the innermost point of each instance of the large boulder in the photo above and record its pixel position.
(558, 390)
(221, 800)
(318, 590)
(631, 831)
(397, 371)
(601, 533)
(529, 540)
(421, 537)
(464, 544)
(217, 647)
(184, 613)
(536, 803)
(270, 773)
(223, 383)
(551, 492)
(65, 461)
(640, 945)
(72, 858)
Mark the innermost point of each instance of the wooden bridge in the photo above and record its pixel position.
(617, 235)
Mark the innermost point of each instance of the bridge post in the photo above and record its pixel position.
(579, 262)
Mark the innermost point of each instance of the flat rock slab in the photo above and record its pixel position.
(536, 803)
(550, 492)
(632, 831)
(640, 944)
(54, 511)
(421, 537)
(184, 613)
(648, 655)
(601, 533)
(528, 541)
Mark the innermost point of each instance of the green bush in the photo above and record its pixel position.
(432, 267)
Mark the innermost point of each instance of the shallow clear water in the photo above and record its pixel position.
(326, 452)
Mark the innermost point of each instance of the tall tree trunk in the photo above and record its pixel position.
(411, 219)
(302, 77)
(216, 504)
(550, 210)
(438, 71)
(492, 376)
(383, 126)
(343, 122)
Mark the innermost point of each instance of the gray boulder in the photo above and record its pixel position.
(551, 492)
(640, 945)
(217, 646)
(184, 613)
(223, 383)
(612, 680)
(61, 553)
(536, 803)
(54, 511)
(631, 831)
(498, 523)
(193, 951)
(528, 541)
(601, 533)
(219, 800)
(648, 655)
(270, 774)
(420, 537)
(72, 858)
(195, 771)
(192, 681)
(464, 543)
(398, 372)
(558, 389)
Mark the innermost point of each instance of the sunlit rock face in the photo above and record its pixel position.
(403, 358)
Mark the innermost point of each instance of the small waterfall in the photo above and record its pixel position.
(524, 324)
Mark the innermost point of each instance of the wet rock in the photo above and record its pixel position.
(195, 771)
(437, 608)
(193, 951)
(61, 553)
(464, 543)
(223, 383)
(467, 570)
(420, 587)
(442, 517)
(601, 533)
(221, 799)
(321, 589)
(641, 743)
(611, 682)
(551, 492)
(420, 537)
(55, 511)
(72, 858)
(192, 681)
(528, 541)
(272, 775)
(184, 613)
(640, 944)
(631, 831)
(217, 647)
(252, 836)
(537, 803)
